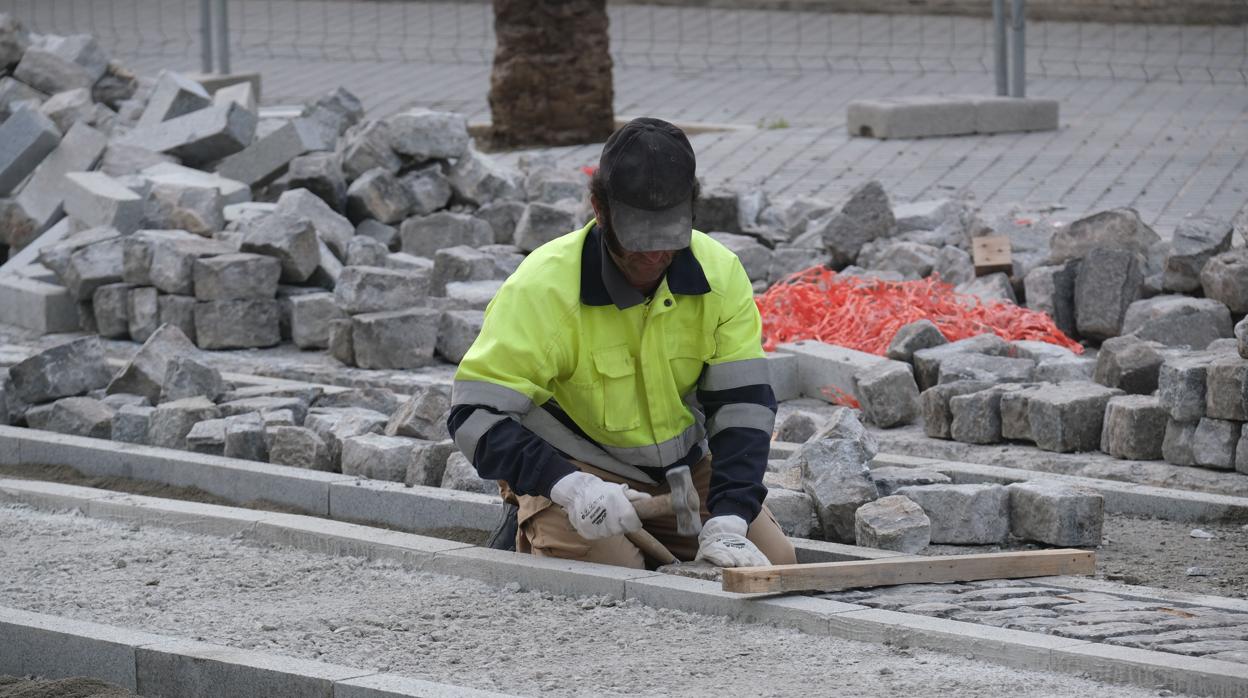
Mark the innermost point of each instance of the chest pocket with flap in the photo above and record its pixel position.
(616, 370)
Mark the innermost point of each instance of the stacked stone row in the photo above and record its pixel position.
(169, 396)
(908, 509)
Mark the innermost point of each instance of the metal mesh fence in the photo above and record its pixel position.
(683, 38)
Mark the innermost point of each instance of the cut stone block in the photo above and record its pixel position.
(889, 479)
(755, 257)
(242, 93)
(423, 415)
(910, 117)
(1181, 386)
(63, 63)
(207, 437)
(421, 134)
(379, 195)
(867, 216)
(122, 160)
(25, 139)
(245, 437)
(173, 96)
(1178, 321)
(1051, 290)
(460, 475)
(365, 147)
(782, 372)
(395, 340)
(79, 416)
(298, 447)
(130, 423)
(1226, 394)
(423, 236)
(93, 266)
(172, 421)
(238, 276)
(341, 342)
(13, 93)
(265, 159)
(964, 514)
(96, 199)
(1130, 364)
(1109, 281)
(65, 370)
(366, 252)
(540, 223)
(170, 173)
(1195, 242)
(331, 227)
(977, 416)
(199, 137)
(1135, 427)
(187, 377)
(1077, 368)
(374, 289)
(237, 324)
(927, 361)
(835, 474)
(379, 457)
(143, 312)
(991, 288)
(1068, 417)
(921, 334)
(334, 425)
(37, 305)
(321, 174)
(460, 263)
(502, 217)
(982, 367)
(1015, 114)
(294, 408)
(310, 317)
(456, 333)
(934, 403)
(291, 240)
(198, 208)
(1055, 513)
(111, 304)
(794, 511)
(1116, 229)
(826, 371)
(429, 189)
(478, 180)
(1225, 279)
(145, 374)
(42, 197)
(892, 523)
(71, 106)
(471, 295)
(166, 259)
(888, 393)
(1177, 446)
(1214, 443)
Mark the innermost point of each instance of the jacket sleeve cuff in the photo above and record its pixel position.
(732, 507)
(554, 471)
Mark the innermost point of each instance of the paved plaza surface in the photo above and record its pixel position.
(1172, 145)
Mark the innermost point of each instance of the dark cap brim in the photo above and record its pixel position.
(642, 230)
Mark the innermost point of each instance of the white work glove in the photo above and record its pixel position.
(596, 508)
(723, 543)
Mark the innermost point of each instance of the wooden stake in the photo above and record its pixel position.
(834, 576)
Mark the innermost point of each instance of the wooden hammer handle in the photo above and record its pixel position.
(654, 507)
(652, 547)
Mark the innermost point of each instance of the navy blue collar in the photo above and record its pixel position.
(602, 282)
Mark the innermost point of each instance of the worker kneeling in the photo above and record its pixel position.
(612, 357)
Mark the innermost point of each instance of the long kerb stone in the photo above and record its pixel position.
(195, 669)
(53, 647)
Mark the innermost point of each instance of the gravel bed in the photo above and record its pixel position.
(377, 615)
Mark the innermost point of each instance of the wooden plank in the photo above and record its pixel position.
(992, 254)
(834, 576)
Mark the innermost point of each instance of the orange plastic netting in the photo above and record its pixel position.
(864, 314)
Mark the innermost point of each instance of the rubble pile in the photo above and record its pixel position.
(169, 396)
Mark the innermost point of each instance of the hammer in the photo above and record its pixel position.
(682, 501)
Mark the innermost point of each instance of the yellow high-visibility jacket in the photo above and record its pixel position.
(572, 363)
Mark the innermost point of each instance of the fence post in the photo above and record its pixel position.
(223, 37)
(205, 36)
(1019, 19)
(1000, 49)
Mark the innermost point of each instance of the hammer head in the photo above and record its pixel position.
(685, 503)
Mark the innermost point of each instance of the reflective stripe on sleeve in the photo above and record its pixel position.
(499, 397)
(470, 432)
(735, 374)
(742, 414)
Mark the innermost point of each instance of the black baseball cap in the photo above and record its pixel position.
(648, 166)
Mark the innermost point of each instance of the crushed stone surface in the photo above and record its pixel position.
(377, 615)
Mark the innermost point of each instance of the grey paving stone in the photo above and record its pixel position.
(1068, 417)
(237, 276)
(25, 139)
(1134, 428)
(1100, 631)
(963, 514)
(173, 96)
(1178, 320)
(42, 197)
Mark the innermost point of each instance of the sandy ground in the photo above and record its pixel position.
(377, 615)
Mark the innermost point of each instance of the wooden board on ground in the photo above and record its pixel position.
(835, 576)
(992, 254)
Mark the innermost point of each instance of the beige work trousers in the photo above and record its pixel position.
(544, 529)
